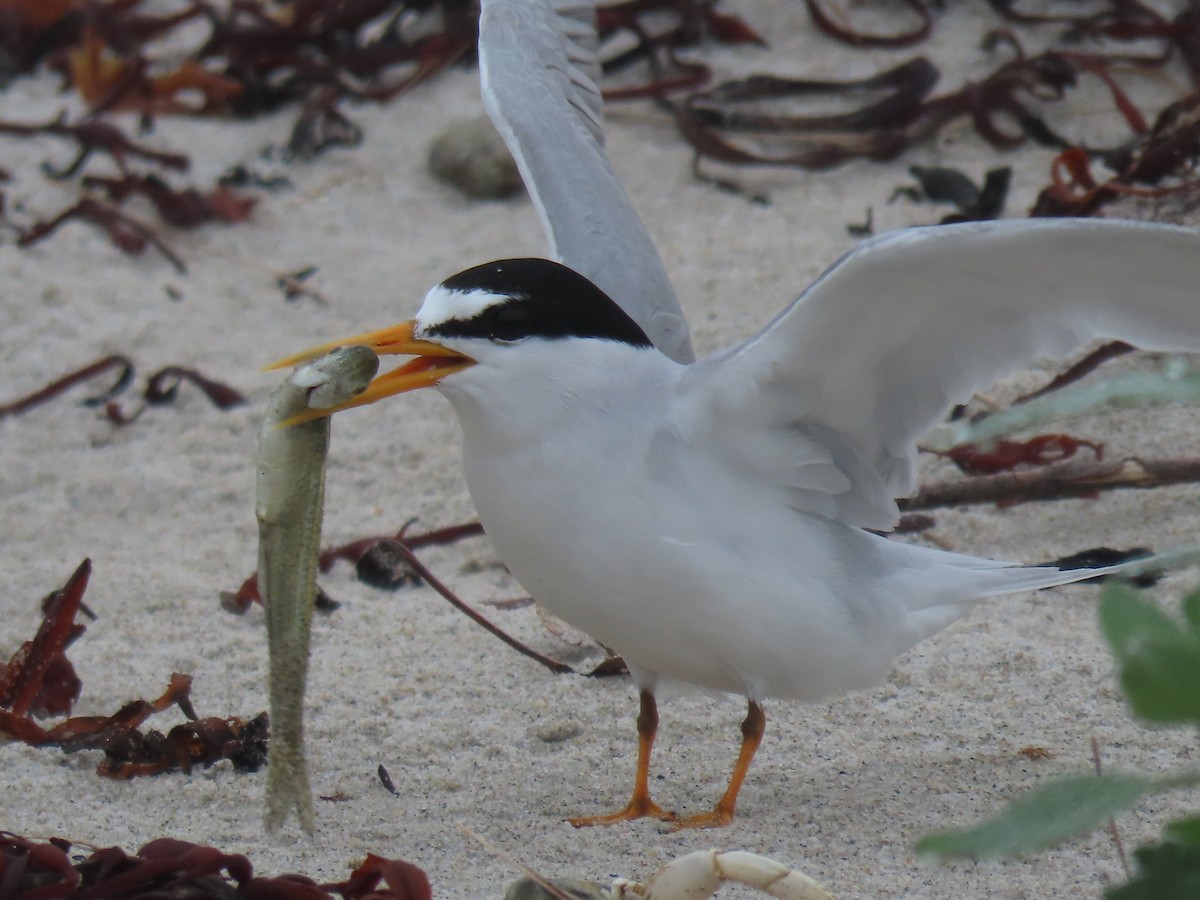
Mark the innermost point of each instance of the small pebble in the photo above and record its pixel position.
(558, 732)
(471, 156)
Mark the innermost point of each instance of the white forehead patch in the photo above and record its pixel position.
(444, 305)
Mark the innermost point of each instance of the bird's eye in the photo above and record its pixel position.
(510, 323)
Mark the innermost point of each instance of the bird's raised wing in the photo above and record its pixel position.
(877, 350)
(538, 72)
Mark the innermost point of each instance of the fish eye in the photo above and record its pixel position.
(509, 324)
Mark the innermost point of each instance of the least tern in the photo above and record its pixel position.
(707, 520)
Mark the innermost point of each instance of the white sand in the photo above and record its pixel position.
(471, 732)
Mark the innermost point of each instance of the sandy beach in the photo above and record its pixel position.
(471, 733)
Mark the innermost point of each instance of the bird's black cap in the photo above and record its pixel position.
(546, 300)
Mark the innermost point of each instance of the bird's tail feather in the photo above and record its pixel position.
(969, 581)
(1011, 579)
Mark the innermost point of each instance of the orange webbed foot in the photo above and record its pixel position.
(718, 817)
(637, 808)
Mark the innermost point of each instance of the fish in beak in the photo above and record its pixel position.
(433, 363)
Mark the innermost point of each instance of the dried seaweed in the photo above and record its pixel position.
(404, 568)
(940, 184)
(293, 284)
(125, 370)
(848, 35)
(162, 387)
(40, 681)
(126, 233)
(659, 28)
(1085, 366)
(554, 665)
(110, 82)
(753, 121)
(1004, 456)
(90, 137)
(385, 779)
(881, 129)
(1046, 467)
(1159, 162)
(181, 208)
(170, 869)
(321, 125)
(241, 600)
(1072, 478)
(254, 57)
(186, 208)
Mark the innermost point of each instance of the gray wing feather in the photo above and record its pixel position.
(538, 71)
(880, 347)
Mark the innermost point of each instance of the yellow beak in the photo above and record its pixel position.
(433, 363)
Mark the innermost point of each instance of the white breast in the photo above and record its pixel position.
(637, 537)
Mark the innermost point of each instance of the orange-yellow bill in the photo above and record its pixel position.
(433, 362)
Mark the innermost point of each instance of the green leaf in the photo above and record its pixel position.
(1045, 816)
(1191, 610)
(1162, 680)
(1164, 872)
(1127, 620)
(1157, 657)
(1183, 831)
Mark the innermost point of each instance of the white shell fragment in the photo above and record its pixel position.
(698, 875)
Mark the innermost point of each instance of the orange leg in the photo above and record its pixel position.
(753, 727)
(640, 805)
